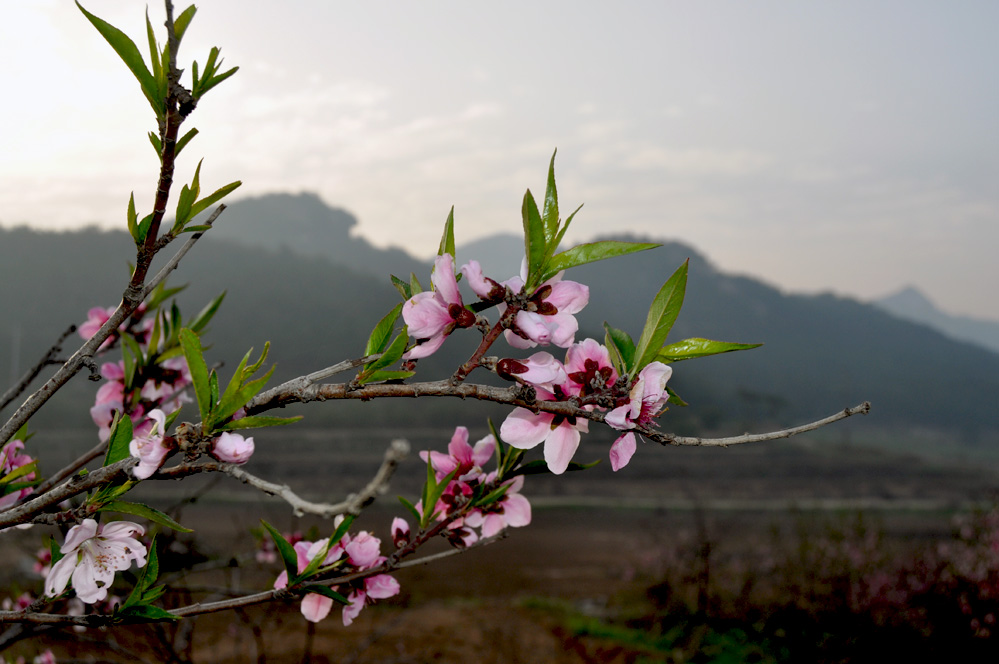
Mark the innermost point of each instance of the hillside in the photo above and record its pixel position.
(821, 353)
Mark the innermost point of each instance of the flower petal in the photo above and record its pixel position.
(560, 446)
(523, 429)
(622, 450)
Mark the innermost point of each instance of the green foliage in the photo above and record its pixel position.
(285, 549)
(696, 347)
(662, 314)
(129, 54)
(138, 605)
(543, 233)
(447, 239)
(119, 439)
(145, 511)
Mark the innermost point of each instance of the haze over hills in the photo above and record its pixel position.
(911, 304)
(821, 353)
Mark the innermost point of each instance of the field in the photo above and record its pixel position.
(784, 552)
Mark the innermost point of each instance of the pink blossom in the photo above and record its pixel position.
(540, 370)
(96, 317)
(432, 315)
(589, 369)
(647, 397)
(552, 320)
(10, 460)
(513, 511)
(461, 456)
(362, 552)
(92, 553)
(233, 448)
(23, 601)
(151, 448)
(560, 434)
(379, 586)
(400, 532)
(489, 290)
(314, 607)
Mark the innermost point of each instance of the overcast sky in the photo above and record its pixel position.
(850, 147)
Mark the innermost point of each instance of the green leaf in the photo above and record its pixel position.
(198, 228)
(205, 315)
(540, 467)
(129, 53)
(662, 314)
(383, 331)
(434, 492)
(315, 563)
(133, 219)
(147, 577)
(392, 354)
(287, 551)
(561, 233)
(185, 202)
(157, 145)
(146, 613)
(550, 214)
(214, 197)
(414, 284)
(534, 241)
(20, 471)
(412, 508)
(402, 287)
(232, 402)
(184, 140)
(696, 347)
(326, 591)
(154, 58)
(674, 398)
(191, 344)
(590, 253)
(379, 376)
(119, 439)
(621, 348)
(320, 558)
(447, 240)
(491, 497)
(144, 225)
(181, 22)
(131, 354)
(257, 422)
(146, 512)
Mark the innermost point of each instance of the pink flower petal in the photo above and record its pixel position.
(622, 450)
(524, 430)
(560, 446)
(315, 607)
(516, 510)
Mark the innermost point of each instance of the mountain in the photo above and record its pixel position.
(912, 305)
(304, 224)
(821, 353)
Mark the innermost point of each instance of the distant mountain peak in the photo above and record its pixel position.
(910, 300)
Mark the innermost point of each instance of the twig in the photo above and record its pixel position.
(30, 375)
(513, 396)
(354, 503)
(303, 382)
(72, 487)
(671, 439)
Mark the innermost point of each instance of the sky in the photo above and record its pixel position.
(848, 147)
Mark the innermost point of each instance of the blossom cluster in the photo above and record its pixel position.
(468, 524)
(353, 553)
(587, 378)
(92, 553)
(157, 388)
(12, 457)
